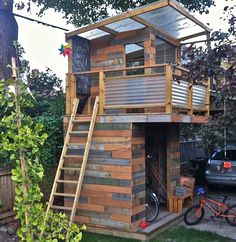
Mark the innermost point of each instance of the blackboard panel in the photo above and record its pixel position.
(81, 62)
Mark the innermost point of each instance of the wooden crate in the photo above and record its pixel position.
(177, 203)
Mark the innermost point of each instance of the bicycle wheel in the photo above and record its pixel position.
(231, 215)
(194, 214)
(152, 206)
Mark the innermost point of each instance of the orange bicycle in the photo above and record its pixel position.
(195, 213)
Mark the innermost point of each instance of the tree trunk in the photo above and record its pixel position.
(8, 34)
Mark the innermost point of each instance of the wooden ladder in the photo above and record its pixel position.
(81, 170)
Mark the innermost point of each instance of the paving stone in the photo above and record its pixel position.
(10, 231)
(3, 229)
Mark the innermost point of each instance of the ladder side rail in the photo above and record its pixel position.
(85, 158)
(64, 150)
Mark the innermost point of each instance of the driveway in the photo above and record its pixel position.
(217, 226)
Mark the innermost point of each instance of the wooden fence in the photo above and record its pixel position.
(7, 195)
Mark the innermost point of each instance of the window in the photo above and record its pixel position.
(134, 54)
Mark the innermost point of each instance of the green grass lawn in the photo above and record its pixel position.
(178, 234)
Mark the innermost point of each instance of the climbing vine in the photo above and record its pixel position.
(22, 139)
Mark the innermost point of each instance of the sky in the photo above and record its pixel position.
(41, 43)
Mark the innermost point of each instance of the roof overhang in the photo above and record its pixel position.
(167, 17)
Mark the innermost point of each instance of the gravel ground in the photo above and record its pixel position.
(8, 232)
(7, 238)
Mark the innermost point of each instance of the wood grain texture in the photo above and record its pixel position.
(7, 193)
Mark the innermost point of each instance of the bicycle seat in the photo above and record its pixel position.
(224, 198)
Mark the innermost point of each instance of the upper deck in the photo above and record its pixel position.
(132, 61)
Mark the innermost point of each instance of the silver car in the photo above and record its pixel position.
(221, 168)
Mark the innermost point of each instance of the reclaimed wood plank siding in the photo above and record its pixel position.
(106, 197)
(173, 158)
(138, 175)
(7, 192)
(109, 53)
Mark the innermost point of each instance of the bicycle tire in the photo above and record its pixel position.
(152, 206)
(228, 212)
(190, 213)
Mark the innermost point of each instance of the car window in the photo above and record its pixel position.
(219, 155)
(230, 154)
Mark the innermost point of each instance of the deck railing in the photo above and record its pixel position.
(155, 86)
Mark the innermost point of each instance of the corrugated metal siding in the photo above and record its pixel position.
(199, 96)
(135, 90)
(180, 94)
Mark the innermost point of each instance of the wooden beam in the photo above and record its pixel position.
(134, 106)
(159, 32)
(108, 30)
(120, 69)
(101, 92)
(72, 83)
(190, 99)
(125, 15)
(181, 10)
(168, 89)
(193, 42)
(208, 94)
(68, 82)
(193, 36)
(68, 95)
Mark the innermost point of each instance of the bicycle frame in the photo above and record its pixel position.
(208, 202)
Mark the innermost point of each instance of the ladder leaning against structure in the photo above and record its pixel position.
(58, 178)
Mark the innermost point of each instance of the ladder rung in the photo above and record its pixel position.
(70, 168)
(64, 194)
(81, 121)
(81, 132)
(67, 181)
(75, 144)
(73, 156)
(61, 207)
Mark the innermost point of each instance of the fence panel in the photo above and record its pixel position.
(7, 195)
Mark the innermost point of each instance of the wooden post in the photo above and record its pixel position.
(72, 85)
(24, 174)
(168, 89)
(190, 99)
(208, 95)
(149, 51)
(101, 92)
(70, 95)
(68, 98)
(13, 62)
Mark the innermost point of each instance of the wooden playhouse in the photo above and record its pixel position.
(131, 63)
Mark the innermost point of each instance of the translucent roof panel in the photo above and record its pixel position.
(93, 34)
(132, 48)
(172, 22)
(125, 25)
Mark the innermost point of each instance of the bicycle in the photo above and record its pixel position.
(152, 205)
(152, 201)
(195, 213)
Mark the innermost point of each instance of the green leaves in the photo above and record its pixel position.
(38, 127)
(25, 140)
(90, 11)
